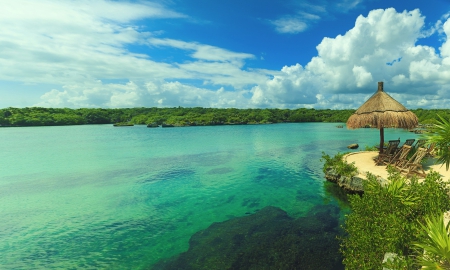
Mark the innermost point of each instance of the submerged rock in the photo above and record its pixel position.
(268, 239)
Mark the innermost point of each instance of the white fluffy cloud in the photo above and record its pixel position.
(380, 47)
(82, 47)
(150, 94)
(292, 87)
(63, 41)
(79, 45)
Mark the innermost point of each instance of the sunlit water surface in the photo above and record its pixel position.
(100, 196)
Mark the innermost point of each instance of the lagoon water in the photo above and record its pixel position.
(102, 197)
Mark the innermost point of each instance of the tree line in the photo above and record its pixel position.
(180, 116)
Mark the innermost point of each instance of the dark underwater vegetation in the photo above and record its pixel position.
(267, 239)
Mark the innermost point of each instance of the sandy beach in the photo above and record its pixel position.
(363, 160)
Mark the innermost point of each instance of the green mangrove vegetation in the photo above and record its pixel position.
(179, 116)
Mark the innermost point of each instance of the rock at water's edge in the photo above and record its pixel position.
(353, 146)
(352, 184)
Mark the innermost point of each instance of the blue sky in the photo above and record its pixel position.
(241, 54)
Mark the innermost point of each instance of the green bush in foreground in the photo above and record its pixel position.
(435, 243)
(388, 219)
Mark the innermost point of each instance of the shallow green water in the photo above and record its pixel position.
(108, 197)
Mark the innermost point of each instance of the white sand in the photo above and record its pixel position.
(364, 162)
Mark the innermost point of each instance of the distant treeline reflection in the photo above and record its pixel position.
(179, 116)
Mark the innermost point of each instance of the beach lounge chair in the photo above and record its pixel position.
(389, 152)
(400, 157)
(409, 142)
(413, 165)
(420, 143)
(430, 150)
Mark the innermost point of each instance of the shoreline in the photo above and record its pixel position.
(174, 125)
(364, 162)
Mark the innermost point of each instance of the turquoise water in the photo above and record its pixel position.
(100, 196)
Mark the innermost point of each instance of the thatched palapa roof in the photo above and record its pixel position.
(380, 111)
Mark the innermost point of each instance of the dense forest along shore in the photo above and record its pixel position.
(179, 116)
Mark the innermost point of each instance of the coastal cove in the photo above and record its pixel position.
(96, 196)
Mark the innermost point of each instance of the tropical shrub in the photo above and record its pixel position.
(387, 218)
(435, 243)
(440, 136)
(337, 162)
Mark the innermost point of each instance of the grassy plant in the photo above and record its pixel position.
(371, 148)
(337, 162)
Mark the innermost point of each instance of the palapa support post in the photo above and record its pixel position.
(380, 89)
(381, 140)
(380, 86)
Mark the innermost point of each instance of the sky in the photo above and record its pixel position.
(223, 54)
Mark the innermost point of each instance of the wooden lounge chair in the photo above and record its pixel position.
(413, 165)
(409, 142)
(420, 143)
(400, 157)
(430, 150)
(389, 152)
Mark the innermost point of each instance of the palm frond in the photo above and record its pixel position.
(440, 136)
(435, 243)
